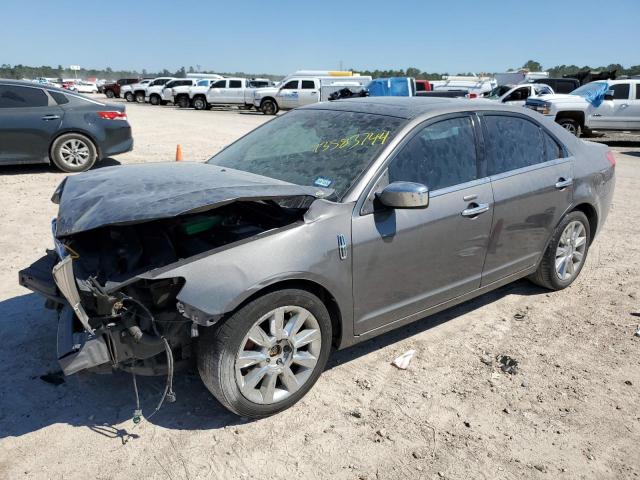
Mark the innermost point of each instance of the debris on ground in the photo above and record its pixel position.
(364, 384)
(54, 378)
(507, 364)
(521, 315)
(637, 334)
(403, 361)
(356, 413)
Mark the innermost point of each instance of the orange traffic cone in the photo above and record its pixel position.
(178, 153)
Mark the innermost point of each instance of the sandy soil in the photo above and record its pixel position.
(571, 411)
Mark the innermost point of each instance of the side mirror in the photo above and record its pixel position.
(608, 95)
(404, 195)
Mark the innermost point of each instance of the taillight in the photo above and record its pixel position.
(611, 157)
(471, 95)
(113, 115)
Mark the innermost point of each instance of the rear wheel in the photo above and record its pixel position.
(73, 152)
(110, 94)
(154, 100)
(183, 102)
(129, 97)
(199, 103)
(570, 125)
(140, 97)
(567, 251)
(268, 354)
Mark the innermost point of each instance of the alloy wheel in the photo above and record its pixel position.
(570, 251)
(278, 355)
(74, 152)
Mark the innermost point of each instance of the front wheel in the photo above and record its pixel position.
(566, 253)
(269, 107)
(199, 103)
(570, 125)
(267, 355)
(110, 94)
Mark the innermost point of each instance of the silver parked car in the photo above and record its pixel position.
(324, 227)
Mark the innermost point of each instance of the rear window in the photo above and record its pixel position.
(512, 143)
(14, 96)
(60, 98)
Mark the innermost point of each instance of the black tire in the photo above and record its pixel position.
(218, 346)
(269, 107)
(570, 125)
(183, 101)
(110, 94)
(129, 97)
(57, 154)
(154, 99)
(546, 275)
(139, 97)
(200, 103)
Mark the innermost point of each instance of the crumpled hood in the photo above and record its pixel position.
(137, 193)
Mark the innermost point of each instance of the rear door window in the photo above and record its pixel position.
(308, 84)
(443, 154)
(512, 143)
(552, 149)
(235, 84)
(14, 96)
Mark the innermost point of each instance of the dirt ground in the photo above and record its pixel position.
(571, 411)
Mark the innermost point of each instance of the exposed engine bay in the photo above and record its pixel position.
(112, 319)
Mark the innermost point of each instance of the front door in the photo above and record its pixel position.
(218, 92)
(532, 177)
(288, 96)
(619, 112)
(28, 121)
(407, 260)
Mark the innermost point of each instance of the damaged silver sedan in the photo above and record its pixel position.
(324, 227)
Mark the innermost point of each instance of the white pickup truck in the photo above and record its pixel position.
(178, 85)
(153, 92)
(600, 105)
(128, 91)
(519, 94)
(296, 92)
(226, 91)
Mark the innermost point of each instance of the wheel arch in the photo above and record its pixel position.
(320, 291)
(85, 133)
(592, 215)
(576, 115)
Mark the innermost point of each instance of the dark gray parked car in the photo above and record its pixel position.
(324, 227)
(40, 124)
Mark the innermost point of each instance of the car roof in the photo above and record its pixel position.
(25, 83)
(413, 107)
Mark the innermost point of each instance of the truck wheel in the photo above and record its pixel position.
(110, 93)
(139, 97)
(183, 102)
(154, 100)
(269, 107)
(199, 103)
(267, 355)
(129, 97)
(73, 152)
(567, 251)
(570, 125)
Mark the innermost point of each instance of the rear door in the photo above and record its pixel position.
(531, 176)
(29, 119)
(235, 93)
(309, 92)
(621, 115)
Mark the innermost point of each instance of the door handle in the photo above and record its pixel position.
(51, 117)
(474, 211)
(562, 183)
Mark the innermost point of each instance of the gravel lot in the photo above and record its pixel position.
(572, 411)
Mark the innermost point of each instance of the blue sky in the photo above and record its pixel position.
(283, 36)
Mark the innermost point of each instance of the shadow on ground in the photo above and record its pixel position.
(29, 403)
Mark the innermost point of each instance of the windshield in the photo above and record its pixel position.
(322, 148)
(590, 89)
